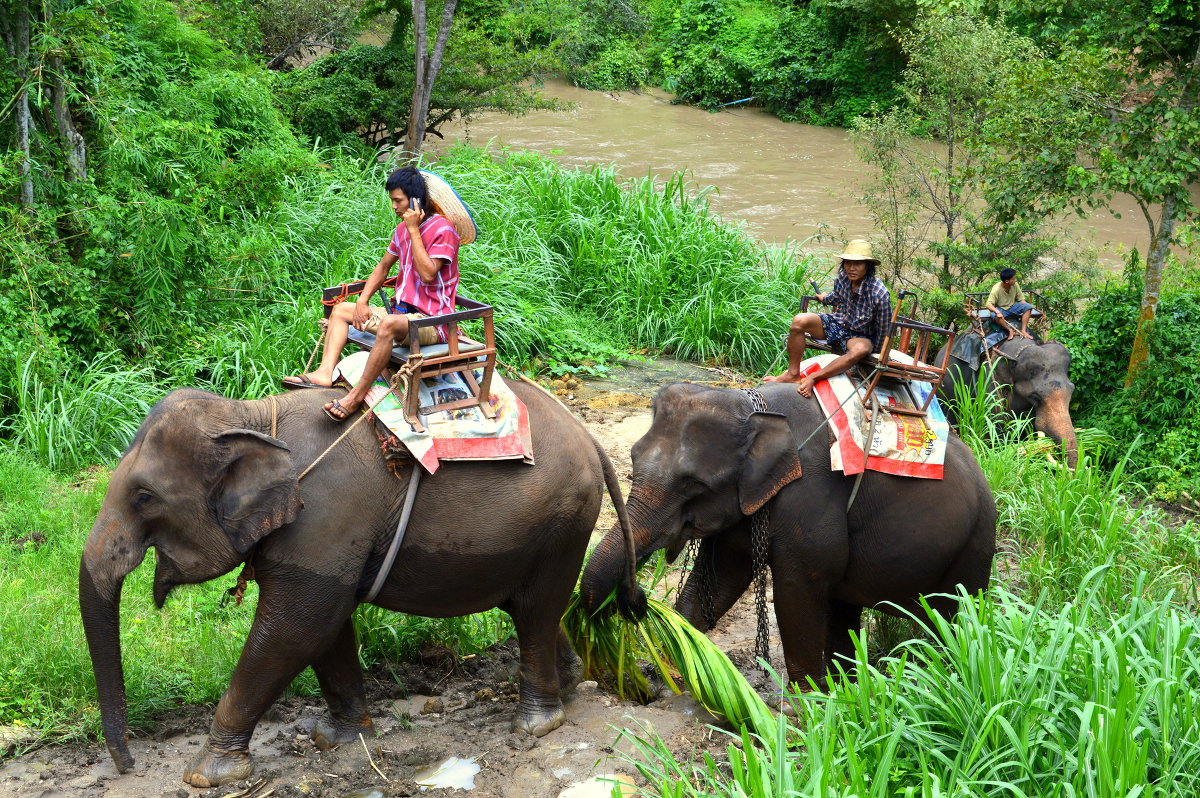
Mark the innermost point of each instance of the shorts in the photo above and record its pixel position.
(835, 334)
(428, 335)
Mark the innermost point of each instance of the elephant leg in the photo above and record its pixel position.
(341, 681)
(540, 710)
(731, 571)
(570, 666)
(844, 618)
(281, 643)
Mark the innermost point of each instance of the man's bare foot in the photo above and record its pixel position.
(805, 388)
(1011, 334)
(787, 376)
(1025, 333)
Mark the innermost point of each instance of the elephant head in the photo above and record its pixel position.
(1041, 385)
(707, 462)
(202, 492)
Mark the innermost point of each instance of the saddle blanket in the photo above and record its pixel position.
(908, 446)
(463, 434)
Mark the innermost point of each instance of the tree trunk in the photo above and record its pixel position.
(425, 70)
(72, 142)
(1151, 288)
(1160, 240)
(24, 121)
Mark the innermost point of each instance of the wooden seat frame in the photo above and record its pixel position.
(455, 360)
(905, 335)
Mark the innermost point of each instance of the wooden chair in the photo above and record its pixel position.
(460, 354)
(906, 336)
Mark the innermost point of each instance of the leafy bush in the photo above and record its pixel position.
(1160, 412)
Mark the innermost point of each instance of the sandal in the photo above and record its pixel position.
(336, 411)
(295, 383)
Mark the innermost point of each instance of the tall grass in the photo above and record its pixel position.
(1013, 699)
(86, 416)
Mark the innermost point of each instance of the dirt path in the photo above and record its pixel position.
(446, 707)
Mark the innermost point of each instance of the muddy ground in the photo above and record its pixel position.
(441, 707)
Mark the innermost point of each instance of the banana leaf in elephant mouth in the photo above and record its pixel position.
(903, 445)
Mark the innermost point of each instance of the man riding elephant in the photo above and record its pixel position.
(855, 329)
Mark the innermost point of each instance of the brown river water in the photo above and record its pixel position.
(785, 181)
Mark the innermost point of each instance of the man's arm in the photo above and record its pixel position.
(362, 311)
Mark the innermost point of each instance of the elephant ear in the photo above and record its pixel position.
(257, 490)
(771, 461)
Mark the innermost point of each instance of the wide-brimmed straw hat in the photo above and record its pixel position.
(858, 249)
(443, 195)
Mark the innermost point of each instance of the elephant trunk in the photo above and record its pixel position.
(1054, 419)
(109, 556)
(607, 566)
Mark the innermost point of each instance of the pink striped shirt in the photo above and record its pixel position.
(435, 298)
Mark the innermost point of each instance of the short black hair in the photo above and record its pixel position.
(1008, 274)
(411, 181)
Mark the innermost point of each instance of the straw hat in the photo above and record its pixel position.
(858, 249)
(451, 206)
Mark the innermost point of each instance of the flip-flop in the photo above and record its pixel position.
(300, 382)
(336, 407)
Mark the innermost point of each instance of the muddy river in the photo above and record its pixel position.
(784, 181)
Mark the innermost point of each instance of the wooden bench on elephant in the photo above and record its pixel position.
(460, 354)
(906, 336)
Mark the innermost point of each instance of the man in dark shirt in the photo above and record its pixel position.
(856, 328)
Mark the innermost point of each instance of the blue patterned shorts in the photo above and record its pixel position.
(835, 334)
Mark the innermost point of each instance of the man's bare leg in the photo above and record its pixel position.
(802, 323)
(856, 350)
(1025, 323)
(392, 328)
(336, 335)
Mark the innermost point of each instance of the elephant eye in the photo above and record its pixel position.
(142, 498)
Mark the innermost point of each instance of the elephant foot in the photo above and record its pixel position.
(329, 732)
(570, 674)
(212, 767)
(539, 724)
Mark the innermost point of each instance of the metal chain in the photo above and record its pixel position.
(703, 566)
(759, 543)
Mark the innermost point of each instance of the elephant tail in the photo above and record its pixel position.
(631, 599)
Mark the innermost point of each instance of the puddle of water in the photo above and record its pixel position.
(454, 774)
(600, 786)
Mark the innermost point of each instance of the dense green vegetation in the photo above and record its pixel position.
(219, 197)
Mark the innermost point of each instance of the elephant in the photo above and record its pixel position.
(1036, 376)
(710, 462)
(207, 483)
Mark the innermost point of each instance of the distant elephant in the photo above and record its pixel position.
(710, 461)
(1036, 377)
(205, 482)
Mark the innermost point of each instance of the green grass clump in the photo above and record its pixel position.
(1011, 700)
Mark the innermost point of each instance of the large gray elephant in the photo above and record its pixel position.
(1034, 378)
(710, 462)
(205, 483)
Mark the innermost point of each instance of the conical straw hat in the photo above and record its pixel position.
(451, 206)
